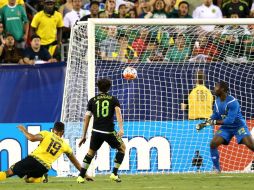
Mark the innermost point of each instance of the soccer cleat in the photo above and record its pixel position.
(215, 171)
(2, 176)
(34, 180)
(115, 178)
(80, 179)
(45, 178)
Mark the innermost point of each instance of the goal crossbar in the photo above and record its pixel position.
(224, 21)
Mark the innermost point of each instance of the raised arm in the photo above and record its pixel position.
(28, 135)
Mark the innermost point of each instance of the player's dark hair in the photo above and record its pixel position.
(184, 2)
(104, 85)
(94, 2)
(134, 10)
(9, 35)
(59, 126)
(122, 5)
(34, 36)
(224, 85)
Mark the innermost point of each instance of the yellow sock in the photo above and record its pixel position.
(2, 176)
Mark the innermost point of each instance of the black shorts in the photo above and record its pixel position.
(29, 166)
(112, 139)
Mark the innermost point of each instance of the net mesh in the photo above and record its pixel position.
(159, 135)
(75, 90)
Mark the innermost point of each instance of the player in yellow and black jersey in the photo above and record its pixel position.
(40, 160)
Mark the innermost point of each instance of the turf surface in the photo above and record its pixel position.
(136, 182)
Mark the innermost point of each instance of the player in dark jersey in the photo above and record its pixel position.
(102, 107)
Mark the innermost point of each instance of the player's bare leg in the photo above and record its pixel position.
(214, 144)
(118, 161)
(85, 165)
(249, 142)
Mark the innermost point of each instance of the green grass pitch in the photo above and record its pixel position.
(136, 182)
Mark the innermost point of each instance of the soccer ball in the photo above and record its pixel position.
(129, 73)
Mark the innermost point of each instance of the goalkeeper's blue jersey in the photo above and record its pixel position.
(229, 111)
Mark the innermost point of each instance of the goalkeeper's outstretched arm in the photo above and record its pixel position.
(202, 125)
(211, 121)
(208, 122)
(215, 119)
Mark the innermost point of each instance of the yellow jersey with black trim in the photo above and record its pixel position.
(50, 148)
(46, 26)
(200, 102)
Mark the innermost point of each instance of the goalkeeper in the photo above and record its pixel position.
(226, 113)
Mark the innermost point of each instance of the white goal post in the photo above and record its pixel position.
(167, 54)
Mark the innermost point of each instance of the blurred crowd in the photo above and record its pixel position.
(34, 31)
(232, 44)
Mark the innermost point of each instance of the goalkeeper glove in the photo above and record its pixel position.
(207, 122)
(201, 125)
(211, 121)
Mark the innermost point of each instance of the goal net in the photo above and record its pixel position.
(160, 114)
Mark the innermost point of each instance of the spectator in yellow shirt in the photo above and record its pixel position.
(47, 24)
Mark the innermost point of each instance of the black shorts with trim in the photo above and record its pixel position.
(98, 138)
(29, 166)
